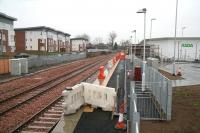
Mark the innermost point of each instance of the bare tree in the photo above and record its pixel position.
(125, 43)
(85, 36)
(112, 36)
(98, 40)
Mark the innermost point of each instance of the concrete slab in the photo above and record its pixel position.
(68, 123)
(190, 72)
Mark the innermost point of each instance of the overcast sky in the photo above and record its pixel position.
(99, 17)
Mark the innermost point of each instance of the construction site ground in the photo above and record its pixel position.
(185, 113)
(185, 108)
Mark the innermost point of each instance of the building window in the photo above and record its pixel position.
(26, 40)
(3, 37)
(30, 39)
(26, 46)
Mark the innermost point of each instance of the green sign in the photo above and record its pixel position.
(188, 45)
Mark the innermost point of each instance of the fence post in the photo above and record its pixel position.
(117, 83)
(135, 122)
(169, 100)
(134, 115)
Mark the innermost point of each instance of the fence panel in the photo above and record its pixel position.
(39, 61)
(155, 102)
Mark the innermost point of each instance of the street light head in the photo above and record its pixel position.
(143, 10)
(183, 27)
(133, 31)
(153, 19)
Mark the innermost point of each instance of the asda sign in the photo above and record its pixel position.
(188, 45)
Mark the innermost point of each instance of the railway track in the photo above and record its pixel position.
(53, 89)
(7, 90)
(17, 100)
(43, 121)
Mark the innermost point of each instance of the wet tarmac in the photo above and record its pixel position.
(190, 73)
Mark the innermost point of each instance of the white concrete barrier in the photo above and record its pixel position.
(99, 96)
(73, 99)
(96, 95)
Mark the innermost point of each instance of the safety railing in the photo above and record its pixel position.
(160, 89)
(155, 102)
(134, 116)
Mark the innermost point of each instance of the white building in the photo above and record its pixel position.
(78, 44)
(187, 48)
(7, 34)
(41, 38)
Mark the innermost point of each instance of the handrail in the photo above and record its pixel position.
(135, 119)
(137, 127)
(135, 106)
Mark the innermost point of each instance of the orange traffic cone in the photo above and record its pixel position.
(179, 72)
(101, 73)
(121, 124)
(122, 56)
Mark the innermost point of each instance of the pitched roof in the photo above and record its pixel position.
(41, 27)
(7, 17)
(79, 38)
(170, 38)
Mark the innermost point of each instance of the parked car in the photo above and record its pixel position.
(21, 55)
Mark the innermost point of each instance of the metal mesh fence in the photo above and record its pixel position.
(160, 91)
(155, 101)
(38, 61)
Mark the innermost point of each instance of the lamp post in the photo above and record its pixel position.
(131, 52)
(183, 28)
(134, 31)
(151, 27)
(175, 38)
(144, 62)
(1, 42)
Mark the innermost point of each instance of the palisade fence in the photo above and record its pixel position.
(155, 103)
